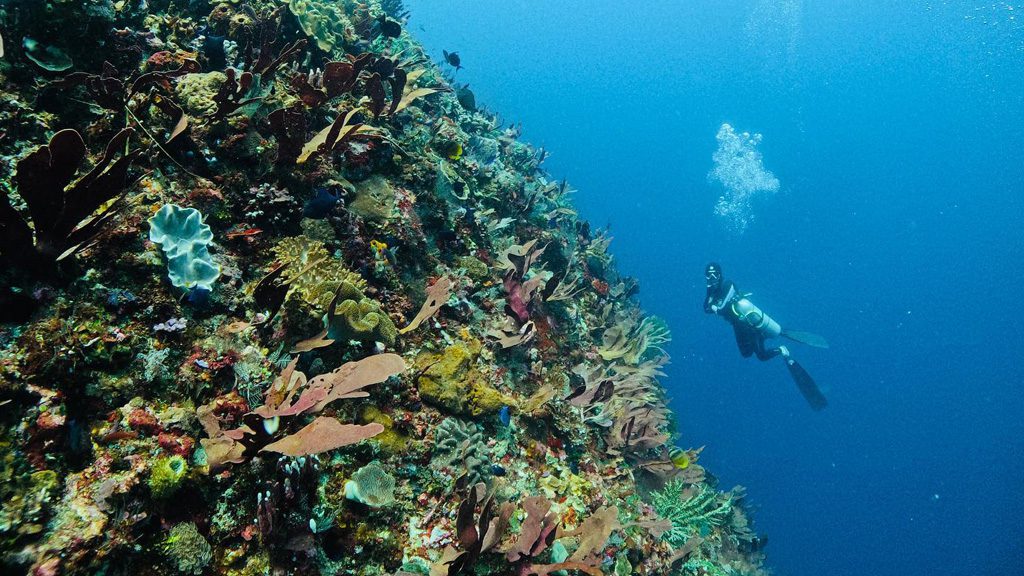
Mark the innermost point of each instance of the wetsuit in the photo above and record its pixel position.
(719, 300)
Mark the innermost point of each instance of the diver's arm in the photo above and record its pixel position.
(718, 299)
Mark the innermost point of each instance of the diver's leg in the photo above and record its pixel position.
(745, 340)
(765, 354)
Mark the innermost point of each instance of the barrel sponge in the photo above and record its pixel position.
(185, 240)
(372, 486)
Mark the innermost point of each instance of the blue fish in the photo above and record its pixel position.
(505, 415)
(320, 205)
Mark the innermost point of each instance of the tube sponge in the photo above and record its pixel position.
(185, 240)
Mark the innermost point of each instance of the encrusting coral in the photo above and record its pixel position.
(262, 412)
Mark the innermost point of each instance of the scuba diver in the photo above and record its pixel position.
(753, 327)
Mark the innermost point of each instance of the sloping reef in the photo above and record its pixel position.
(279, 297)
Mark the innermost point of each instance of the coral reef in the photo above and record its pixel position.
(262, 412)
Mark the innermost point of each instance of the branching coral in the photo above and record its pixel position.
(693, 510)
(462, 443)
(633, 342)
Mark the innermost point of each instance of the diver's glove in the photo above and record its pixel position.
(784, 352)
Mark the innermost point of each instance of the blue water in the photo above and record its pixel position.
(896, 130)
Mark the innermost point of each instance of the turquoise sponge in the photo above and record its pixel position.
(185, 240)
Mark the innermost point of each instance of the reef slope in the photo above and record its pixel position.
(278, 297)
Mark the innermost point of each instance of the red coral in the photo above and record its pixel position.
(230, 405)
(176, 443)
(143, 421)
(44, 436)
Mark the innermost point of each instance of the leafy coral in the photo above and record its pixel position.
(313, 274)
(353, 316)
(185, 239)
(325, 21)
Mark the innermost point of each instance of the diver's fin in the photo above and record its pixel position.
(806, 385)
(806, 338)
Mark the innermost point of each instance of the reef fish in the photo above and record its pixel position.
(452, 58)
(505, 415)
(388, 27)
(680, 458)
(320, 205)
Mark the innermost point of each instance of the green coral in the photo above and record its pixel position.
(195, 92)
(26, 498)
(166, 476)
(371, 485)
(187, 549)
(357, 317)
(462, 443)
(314, 275)
(451, 380)
(390, 440)
(475, 268)
(693, 511)
(325, 21)
(374, 199)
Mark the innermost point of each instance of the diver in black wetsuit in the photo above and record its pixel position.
(753, 328)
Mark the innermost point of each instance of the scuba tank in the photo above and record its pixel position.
(756, 319)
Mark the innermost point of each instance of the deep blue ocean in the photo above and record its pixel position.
(896, 133)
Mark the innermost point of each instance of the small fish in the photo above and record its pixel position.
(505, 415)
(388, 27)
(680, 458)
(455, 152)
(452, 58)
(243, 233)
(497, 470)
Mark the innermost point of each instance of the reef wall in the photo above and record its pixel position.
(278, 297)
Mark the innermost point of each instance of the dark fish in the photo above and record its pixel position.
(389, 28)
(505, 415)
(466, 97)
(213, 49)
(320, 205)
(452, 58)
(497, 470)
